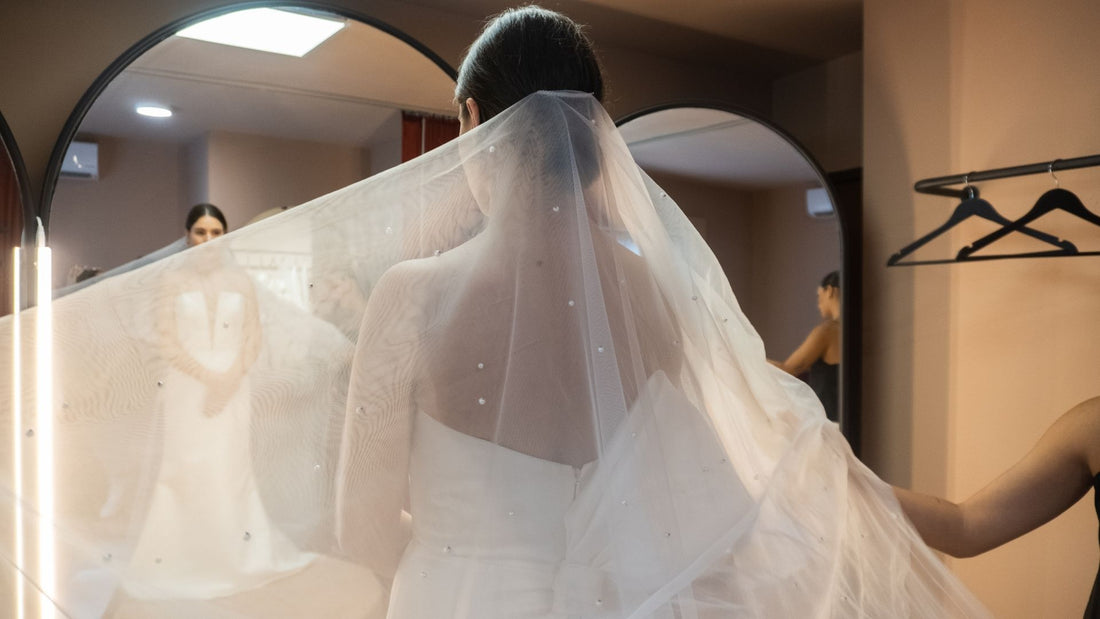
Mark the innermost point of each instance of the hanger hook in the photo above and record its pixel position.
(1050, 168)
(969, 191)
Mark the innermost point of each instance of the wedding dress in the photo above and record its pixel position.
(511, 381)
(526, 545)
(206, 533)
(452, 509)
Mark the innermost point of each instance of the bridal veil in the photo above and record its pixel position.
(513, 354)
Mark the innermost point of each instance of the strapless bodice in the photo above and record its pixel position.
(468, 494)
(212, 340)
(499, 534)
(488, 529)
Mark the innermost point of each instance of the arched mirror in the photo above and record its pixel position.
(14, 204)
(767, 210)
(201, 114)
(179, 121)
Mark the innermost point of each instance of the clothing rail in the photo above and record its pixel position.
(971, 205)
(937, 186)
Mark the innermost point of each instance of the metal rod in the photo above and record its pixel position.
(1042, 254)
(936, 186)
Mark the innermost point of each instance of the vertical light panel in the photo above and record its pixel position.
(17, 430)
(44, 431)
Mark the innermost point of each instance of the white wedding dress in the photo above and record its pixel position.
(449, 563)
(500, 534)
(207, 534)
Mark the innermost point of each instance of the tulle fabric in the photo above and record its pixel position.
(506, 379)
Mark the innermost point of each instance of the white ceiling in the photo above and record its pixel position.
(716, 147)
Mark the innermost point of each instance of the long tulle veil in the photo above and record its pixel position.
(247, 428)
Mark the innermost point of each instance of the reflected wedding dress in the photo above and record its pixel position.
(206, 533)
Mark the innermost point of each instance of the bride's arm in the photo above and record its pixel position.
(372, 482)
(1053, 476)
(169, 338)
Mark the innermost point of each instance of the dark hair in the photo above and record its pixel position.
(201, 210)
(87, 273)
(831, 280)
(522, 51)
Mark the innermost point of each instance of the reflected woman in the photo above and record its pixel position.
(206, 532)
(819, 353)
(205, 222)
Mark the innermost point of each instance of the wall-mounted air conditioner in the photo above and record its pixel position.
(818, 204)
(81, 161)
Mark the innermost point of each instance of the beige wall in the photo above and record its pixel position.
(822, 107)
(249, 174)
(966, 365)
(383, 151)
(790, 253)
(196, 174)
(773, 253)
(132, 209)
(722, 215)
(145, 189)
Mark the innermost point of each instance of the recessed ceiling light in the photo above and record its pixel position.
(266, 30)
(154, 111)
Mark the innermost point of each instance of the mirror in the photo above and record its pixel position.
(13, 201)
(766, 210)
(253, 132)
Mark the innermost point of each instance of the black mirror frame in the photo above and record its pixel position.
(68, 132)
(849, 219)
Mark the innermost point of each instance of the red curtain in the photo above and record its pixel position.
(422, 132)
(11, 226)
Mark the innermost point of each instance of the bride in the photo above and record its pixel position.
(549, 404)
(592, 427)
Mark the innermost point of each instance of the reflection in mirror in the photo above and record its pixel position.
(11, 220)
(763, 208)
(253, 132)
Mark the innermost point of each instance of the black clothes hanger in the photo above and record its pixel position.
(972, 206)
(1056, 199)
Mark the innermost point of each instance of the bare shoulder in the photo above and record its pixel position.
(825, 330)
(1080, 427)
(1083, 419)
(404, 289)
(407, 275)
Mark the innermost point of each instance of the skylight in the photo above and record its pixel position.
(266, 30)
